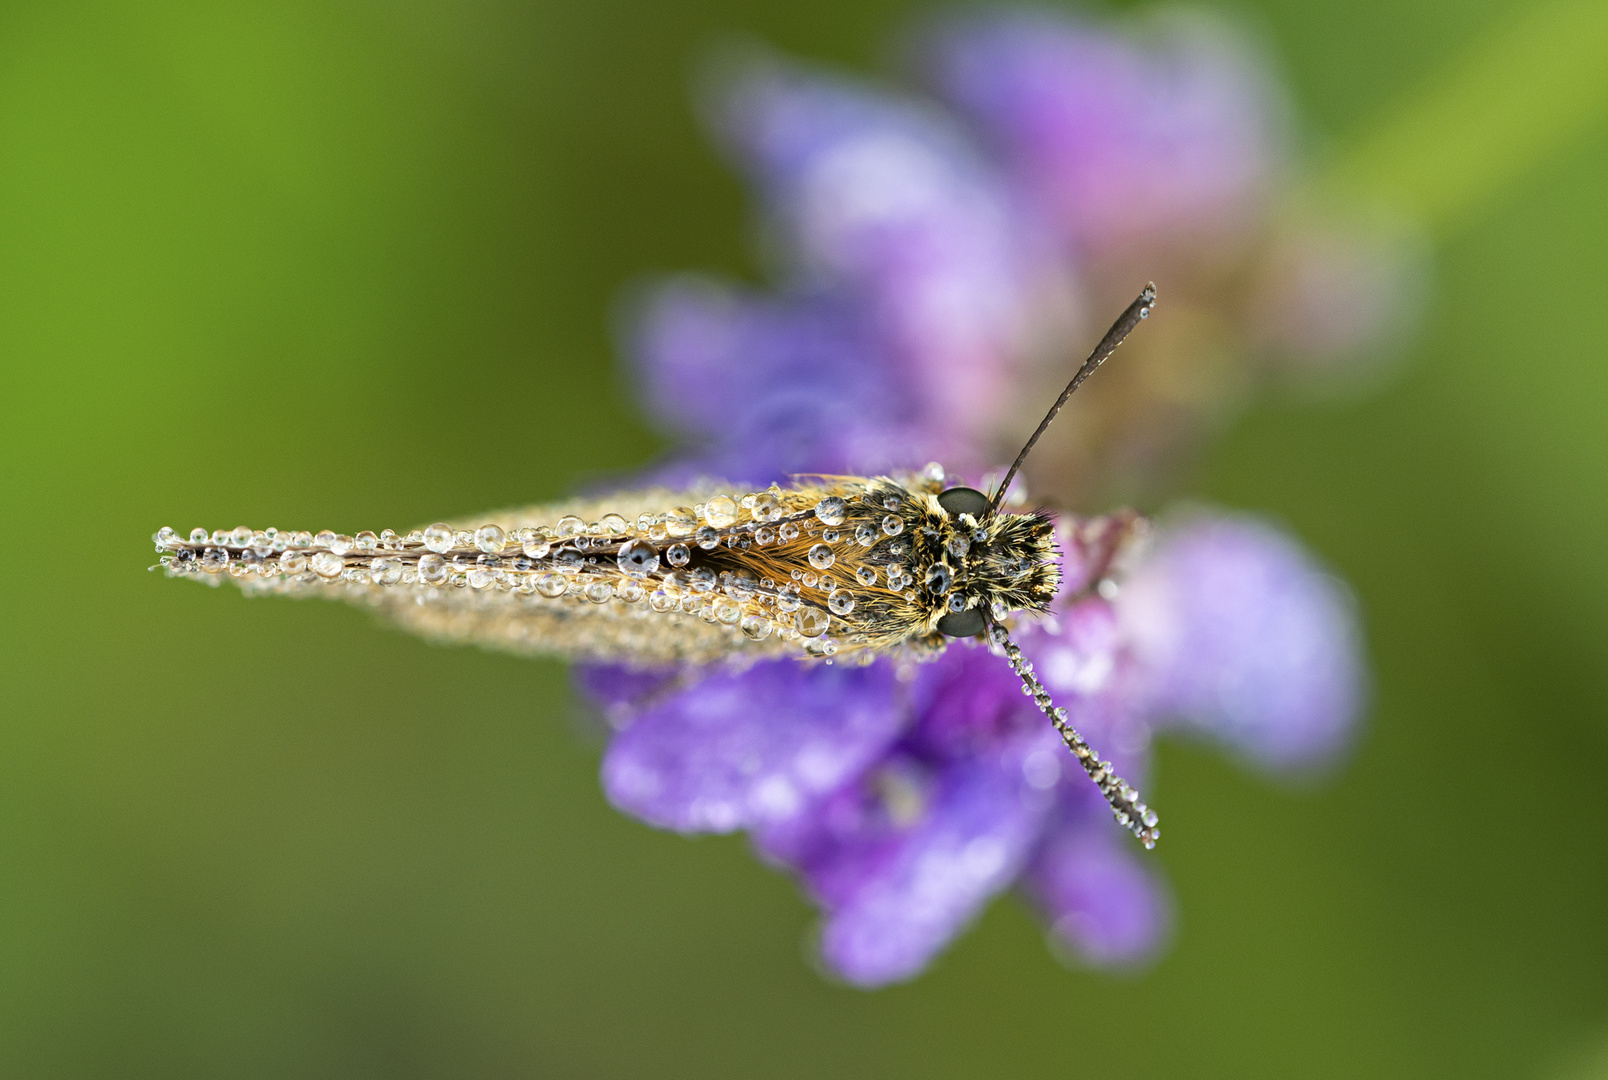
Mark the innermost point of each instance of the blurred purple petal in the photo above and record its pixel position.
(901, 863)
(736, 750)
(1118, 135)
(883, 197)
(1099, 896)
(1244, 636)
(774, 387)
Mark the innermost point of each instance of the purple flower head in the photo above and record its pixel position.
(941, 260)
(929, 261)
(1118, 134)
(905, 797)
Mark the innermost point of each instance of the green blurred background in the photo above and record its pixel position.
(353, 264)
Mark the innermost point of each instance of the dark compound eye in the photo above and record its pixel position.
(964, 500)
(968, 623)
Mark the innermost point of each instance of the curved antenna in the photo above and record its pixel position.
(1130, 318)
(1130, 812)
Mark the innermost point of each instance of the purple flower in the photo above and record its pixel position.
(1119, 136)
(935, 261)
(905, 799)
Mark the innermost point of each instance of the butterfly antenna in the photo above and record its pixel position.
(1130, 318)
(1130, 813)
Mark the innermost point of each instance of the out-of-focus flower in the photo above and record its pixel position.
(974, 243)
(905, 796)
(941, 262)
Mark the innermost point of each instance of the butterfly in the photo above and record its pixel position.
(823, 567)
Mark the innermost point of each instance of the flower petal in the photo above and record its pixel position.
(1242, 635)
(881, 196)
(1099, 895)
(738, 750)
(896, 893)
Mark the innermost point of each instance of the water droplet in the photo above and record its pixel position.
(661, 601)
(366, 541)
(490, 539)
(198, 536)
(707, 537)
(630, 591)
(939, 578)
(740, 585)
(728, 611)
(808, 579)
(865, 535)
(551, 584)
(764, 535)
(893, 525)
(480, 577)
(535, 545)
(841, 601)
(821, 557)
(241, 536)
(866, 575)
(890, 502)
(293, 562)
(386, 571)
(327, 564)
(657, 532)
(812, 621)
(614, 524)
(569, 526)
(702, 579)
(820, 647)
(721, 511)
(933, 473)
(681, 521)
(599, 592)
(437, 537)
(831, 510)
(638, 558)
(678, 555)
(957, 602)
(787, 598)
(765, 507)
(830, 536)
(432, 569)
(789, 531)
(755, 627)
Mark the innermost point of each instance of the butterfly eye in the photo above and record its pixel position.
(964, 500)
(968, 623)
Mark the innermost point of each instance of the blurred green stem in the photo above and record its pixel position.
(1523, 91)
